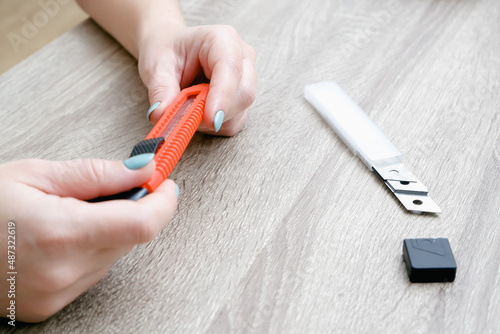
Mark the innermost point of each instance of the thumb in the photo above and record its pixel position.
(88, 179)
(162, 92)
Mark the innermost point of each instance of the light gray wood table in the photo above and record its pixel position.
(281, 228)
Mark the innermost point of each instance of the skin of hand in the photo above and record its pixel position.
(63, 244)
(171, 56)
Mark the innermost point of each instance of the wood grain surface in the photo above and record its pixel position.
(281, 229)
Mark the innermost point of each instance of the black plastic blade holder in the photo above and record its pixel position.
(429, 260)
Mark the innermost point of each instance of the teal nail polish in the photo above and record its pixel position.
(177, 190)
(151, 109)
(138, 161)
(218, 118)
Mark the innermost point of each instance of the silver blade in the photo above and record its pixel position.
(178, 115)
(408, 189)
(418, 203)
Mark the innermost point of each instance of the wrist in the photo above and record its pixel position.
(154, 24)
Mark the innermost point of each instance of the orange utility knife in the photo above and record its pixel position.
(168, 139)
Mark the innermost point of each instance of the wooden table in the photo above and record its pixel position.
(281, 228)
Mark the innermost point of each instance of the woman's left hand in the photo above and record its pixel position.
(171, 61)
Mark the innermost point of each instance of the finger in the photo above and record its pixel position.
(124, 222)
(222, 62)
(229, 128)
(122, 232)
(161, 95)
(247, 89)
(86, 179)
(162, 81)
(241, 101)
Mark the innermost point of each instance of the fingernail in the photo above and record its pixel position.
(177, 190)
(151, 109)
(218, 118)
(138, 161)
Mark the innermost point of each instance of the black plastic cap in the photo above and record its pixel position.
(429, 260)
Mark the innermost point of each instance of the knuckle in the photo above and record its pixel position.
(159, 68)
(155, 91)
(235, 66)
(144, 228)
(228, 30)
(147, 71)
(92, 171)
(57, 174)
(226, 95)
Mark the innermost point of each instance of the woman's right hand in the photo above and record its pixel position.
(63, 244)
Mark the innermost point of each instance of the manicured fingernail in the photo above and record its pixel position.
(177, 190)
(218, 118)
(138, 161)
(151, 109)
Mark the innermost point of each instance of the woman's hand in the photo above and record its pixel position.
(63, 244)
(171, 56)
(171, 61)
